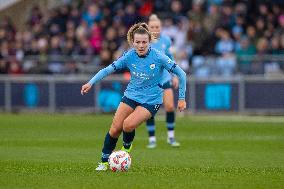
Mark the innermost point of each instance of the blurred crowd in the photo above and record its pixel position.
(213, 37)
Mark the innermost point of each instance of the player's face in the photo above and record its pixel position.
(141, 43)
(155, 28)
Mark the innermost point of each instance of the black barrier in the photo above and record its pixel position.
(68, 95)
(264, 95)
(216, 96)
(29, 94)
(187, 97)
(238, 94)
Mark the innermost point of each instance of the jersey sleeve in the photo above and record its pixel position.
(117, 65)
(172, 67)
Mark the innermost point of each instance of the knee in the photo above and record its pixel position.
(115, 130)
(128, 126)
(169, 107)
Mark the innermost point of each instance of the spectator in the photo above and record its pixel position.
(261, 50)
(92, 15)
(245, 54)
(98, 28)
(3, 66)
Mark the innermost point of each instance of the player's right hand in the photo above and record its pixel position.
(86, 88)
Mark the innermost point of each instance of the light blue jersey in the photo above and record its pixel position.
(146, 75)
(163, 44)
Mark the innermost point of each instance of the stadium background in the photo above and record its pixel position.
(231, 50)
(50, 135)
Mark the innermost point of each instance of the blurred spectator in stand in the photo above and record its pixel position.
(92, 15)
(14, 67)
(106, 57)
(280, 29)
(182, 60)
(211, 19)
(196, 13)
(262, 49)
(251, 33)
(146, 9)
(98, 28)
(260, 27)
(70, 67)
(282, 50)
(74, 17)
(35, 16)
(55, 62)
(130, 17)
(42, 67)
(3, 66)
(245, 55)
(275, 48)
(96, 38)
(226, 64)
(8, 26)
(176, 11)
(225, 44)
(82, 31)
(227, 15)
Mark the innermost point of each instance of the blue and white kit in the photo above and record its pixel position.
(146, 75)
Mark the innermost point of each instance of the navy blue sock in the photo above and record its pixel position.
(128, 138)
(170, 121)
(109, 146)
(151, 126)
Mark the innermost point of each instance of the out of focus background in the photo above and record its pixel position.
(231, 135)
(232, 52)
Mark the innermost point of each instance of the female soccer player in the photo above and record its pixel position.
(143, 95)
(163, 43)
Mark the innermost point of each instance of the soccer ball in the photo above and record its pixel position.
(119, 161)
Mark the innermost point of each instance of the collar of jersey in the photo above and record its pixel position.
(143, 56)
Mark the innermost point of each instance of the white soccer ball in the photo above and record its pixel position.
(119, 161)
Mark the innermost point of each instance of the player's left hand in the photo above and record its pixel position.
(181, 105)
(175, 82)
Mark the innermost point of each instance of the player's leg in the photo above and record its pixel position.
(112, 135)
(151, 128)
(170, 116)
(138, 116)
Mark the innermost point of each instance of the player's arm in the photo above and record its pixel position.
(115, 66)
(172, 67)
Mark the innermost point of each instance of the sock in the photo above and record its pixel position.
(109, 146)
(152, 139)
(128, 138)
(170, 124)
(151, 127)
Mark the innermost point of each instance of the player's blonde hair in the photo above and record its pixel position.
(153, 17)
(139, 28)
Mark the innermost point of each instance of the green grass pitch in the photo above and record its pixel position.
(62, 151)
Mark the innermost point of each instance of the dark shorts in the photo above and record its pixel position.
(153, 109)
(167, 85)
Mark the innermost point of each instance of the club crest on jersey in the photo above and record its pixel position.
(152, 66)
